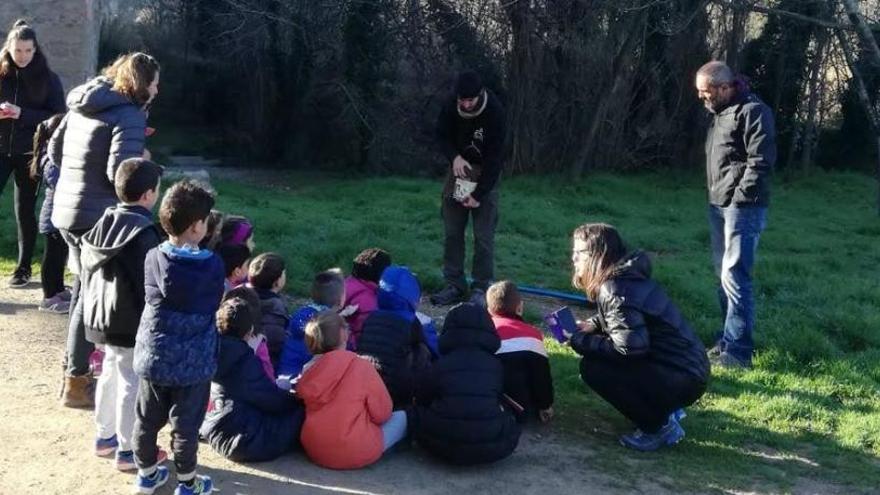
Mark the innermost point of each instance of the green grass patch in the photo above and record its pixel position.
(810, 409)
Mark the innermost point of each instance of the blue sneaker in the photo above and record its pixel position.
(147, 486)
(201, 484)
(105, 447)
(678, 415)
(670, 434)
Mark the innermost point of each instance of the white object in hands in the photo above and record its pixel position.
(463, 189)
(348, 310)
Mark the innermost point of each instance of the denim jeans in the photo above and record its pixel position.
(734, 232)
(76, 360)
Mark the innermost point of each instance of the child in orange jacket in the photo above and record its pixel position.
(349, 423)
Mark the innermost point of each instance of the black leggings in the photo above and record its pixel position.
(54, 261)
(643, 391)
(25, 203)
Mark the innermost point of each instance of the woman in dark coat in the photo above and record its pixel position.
(460, 416)
(639, 353)
(106, 125)
(29, 94)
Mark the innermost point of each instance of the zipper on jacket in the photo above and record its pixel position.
(14, 102)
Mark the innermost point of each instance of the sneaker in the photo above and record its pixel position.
(716, 350)
(55, 304)
(147, 485)
(447, 296)
(670, 434)
(65, 295)
(678, 415)
(728, 361)
(19, 279)
(478, 297)
(105, 447)
(201, 484)
(125, 459)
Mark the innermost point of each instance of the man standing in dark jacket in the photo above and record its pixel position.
(740, 154)
(471, 132)
(113, 254)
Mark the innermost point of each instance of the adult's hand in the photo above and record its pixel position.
(460, 167)
(470, 202)
(147, 155)
(11, 111)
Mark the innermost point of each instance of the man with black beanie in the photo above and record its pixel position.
(471, 131)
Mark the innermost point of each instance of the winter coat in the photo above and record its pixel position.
(636, 321)
(176, 342)
(112, 260)
(249, 418)
(273, 323)
(346, 406)
(102, 129)
(741, 153)
(17, 135)
(295, 354)
(392, 336)
(479, 139)
(459, 414)
(362, 293)
(49, 171)
(527, 378)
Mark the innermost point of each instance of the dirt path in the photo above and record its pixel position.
(46, 448)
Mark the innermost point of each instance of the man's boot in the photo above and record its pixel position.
(449, 295)
(79, 392)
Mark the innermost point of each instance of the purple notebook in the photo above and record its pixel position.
(560, 323)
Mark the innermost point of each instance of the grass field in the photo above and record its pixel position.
(809, 411)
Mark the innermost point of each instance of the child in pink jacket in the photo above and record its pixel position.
(361, 288)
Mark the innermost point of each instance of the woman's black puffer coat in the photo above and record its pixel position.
(102, 128)
(459, 414)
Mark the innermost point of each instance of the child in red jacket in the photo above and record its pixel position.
(527, 378)
(349, 422)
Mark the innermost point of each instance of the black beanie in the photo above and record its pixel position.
(469, 85)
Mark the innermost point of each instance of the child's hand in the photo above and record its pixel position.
(546, 414)
(348, 310)
(585, 326)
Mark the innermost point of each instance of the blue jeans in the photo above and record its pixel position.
(734, 232)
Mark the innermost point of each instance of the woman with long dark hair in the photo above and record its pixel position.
(639, 353)
(29, 94)
(106, 125)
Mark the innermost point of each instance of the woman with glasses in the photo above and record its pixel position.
(639, 353)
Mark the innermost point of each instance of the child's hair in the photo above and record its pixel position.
(44, 132)
(212, 235)
(134, 177)
(253, 300)
(604, 248)
(184, 204)
(370, 263)
(233, 256)
(328, 287)
(235, 317)
(324, 332)
(503, 298)
(236, 229)
(265, 269)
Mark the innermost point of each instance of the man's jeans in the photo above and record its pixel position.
(734, 232)
(455, 220)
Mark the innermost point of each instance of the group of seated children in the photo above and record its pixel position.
(346, 377)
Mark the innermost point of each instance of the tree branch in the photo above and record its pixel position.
(749, 6)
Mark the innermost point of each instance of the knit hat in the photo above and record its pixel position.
(468, 85)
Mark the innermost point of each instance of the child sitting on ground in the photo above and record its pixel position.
(257, 340)
(392, 336)
(328, 293)
(250, 419)
(527, 378)
(459, 416)
(176, 346)
(361, 288)
(349, 422)
(235, 260)
(237, 230)
(267, 276)
(112, 264)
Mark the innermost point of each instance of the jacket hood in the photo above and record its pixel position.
(182, 272)
(95, 96)
(356, 289)
(398, 290)
(119, 226)
(469, 326)
(320, 381)
(636, 265)
(233, 351)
